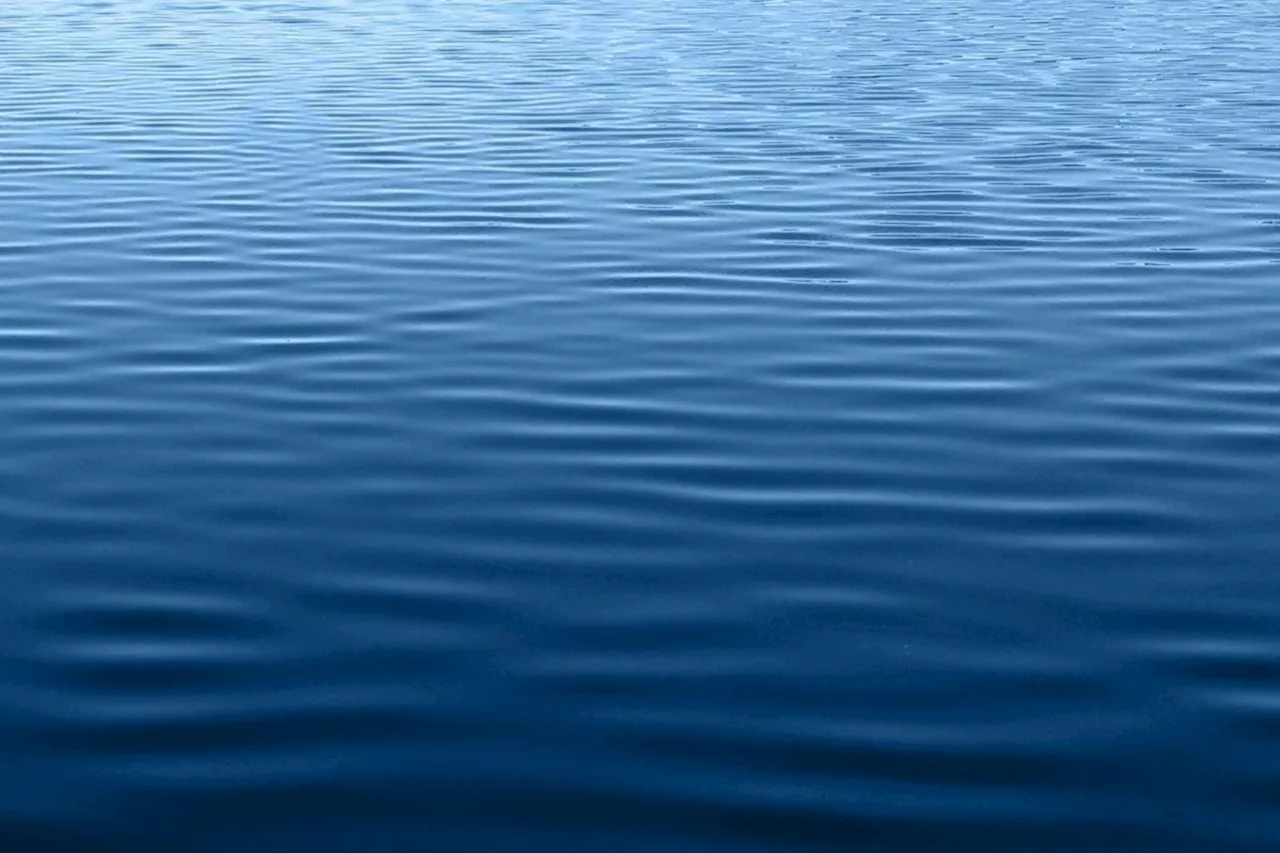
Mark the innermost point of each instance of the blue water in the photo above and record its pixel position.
(595, 427)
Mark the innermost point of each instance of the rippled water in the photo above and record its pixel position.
(551, 425)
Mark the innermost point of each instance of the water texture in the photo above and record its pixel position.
(551, 425)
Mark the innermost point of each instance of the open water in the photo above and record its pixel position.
(638, 425)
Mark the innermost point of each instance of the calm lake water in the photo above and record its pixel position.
(603, 427)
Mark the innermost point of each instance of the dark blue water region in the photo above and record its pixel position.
(469, 426)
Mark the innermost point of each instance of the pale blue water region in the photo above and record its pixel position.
(595, 427)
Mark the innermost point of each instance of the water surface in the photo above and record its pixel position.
(550, 425)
